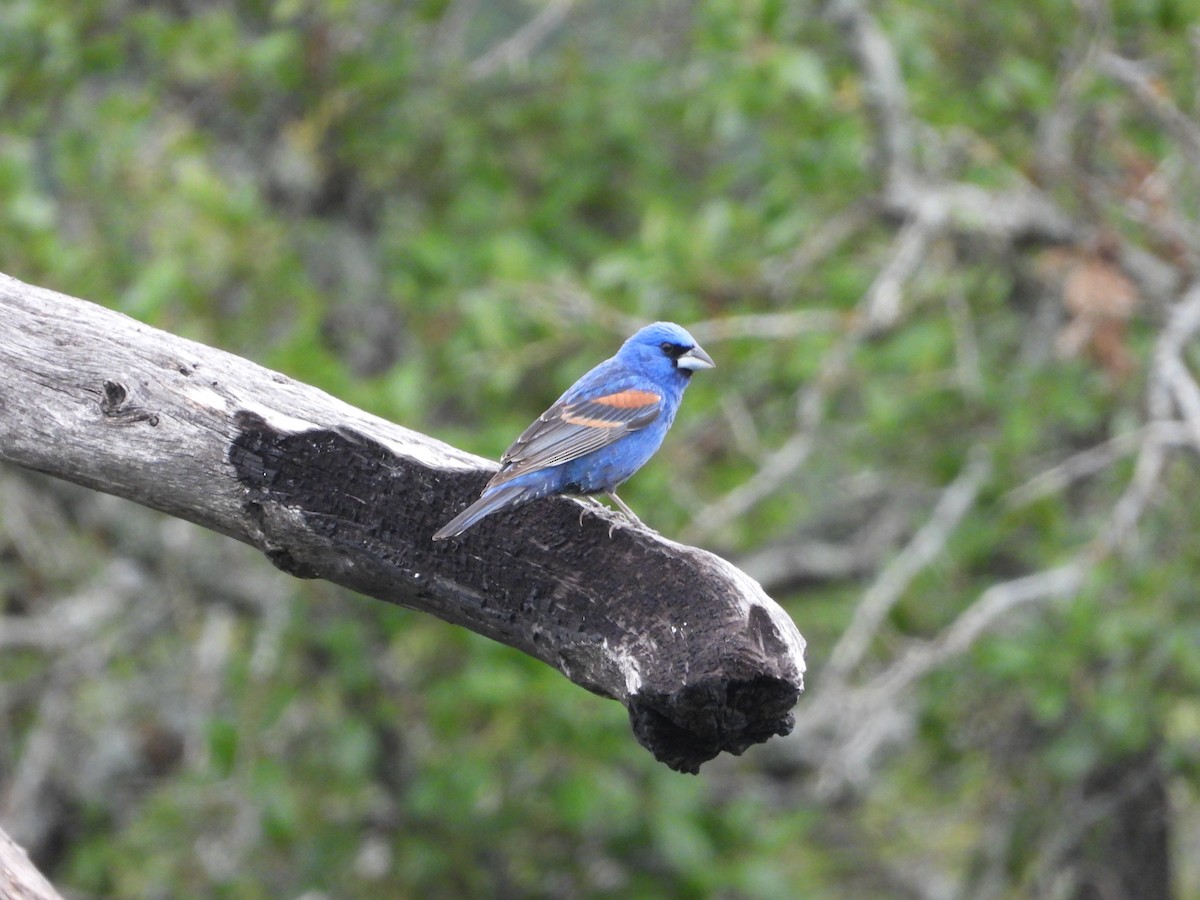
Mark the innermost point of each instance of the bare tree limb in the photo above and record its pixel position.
(887, 100)
(1165, 391)
(777, 326)
(701, 657)
(993, 605)
(1057, 127)
(881, 305)
(927, 209)
(1136, 78)
(878, 311)
(956, 501)
(845, 726)
(781, 274)
(789, 564)
(516, 49)
(19, 880)
(1093, 460)
(1020, 213)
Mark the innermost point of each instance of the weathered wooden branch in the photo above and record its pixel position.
(19, 878)
(701, 657)
(1022, 213)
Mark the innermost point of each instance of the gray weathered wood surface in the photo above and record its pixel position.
(19, 879)
(701, 657)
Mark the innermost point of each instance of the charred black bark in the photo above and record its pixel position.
(617, 615)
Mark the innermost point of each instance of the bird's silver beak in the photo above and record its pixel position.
(695, 359)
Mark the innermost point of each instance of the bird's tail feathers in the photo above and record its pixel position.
(503, 497)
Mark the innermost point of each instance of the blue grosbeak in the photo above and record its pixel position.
(602, 430)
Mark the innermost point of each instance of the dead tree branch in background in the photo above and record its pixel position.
(864, 706)
(926, 545)
(1020, 213)
(516, 49)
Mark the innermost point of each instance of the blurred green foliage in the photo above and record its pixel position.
(341, 191)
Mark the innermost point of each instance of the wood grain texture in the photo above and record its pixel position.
(19, 879)
(704, 661)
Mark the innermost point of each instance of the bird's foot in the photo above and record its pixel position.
(595, 501)
(629, 513)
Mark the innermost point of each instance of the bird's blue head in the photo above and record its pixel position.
(665, 349)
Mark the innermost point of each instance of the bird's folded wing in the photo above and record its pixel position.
(567, 431)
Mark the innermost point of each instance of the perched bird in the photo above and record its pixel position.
(601, 431)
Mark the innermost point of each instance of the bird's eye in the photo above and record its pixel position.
(666, 347)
